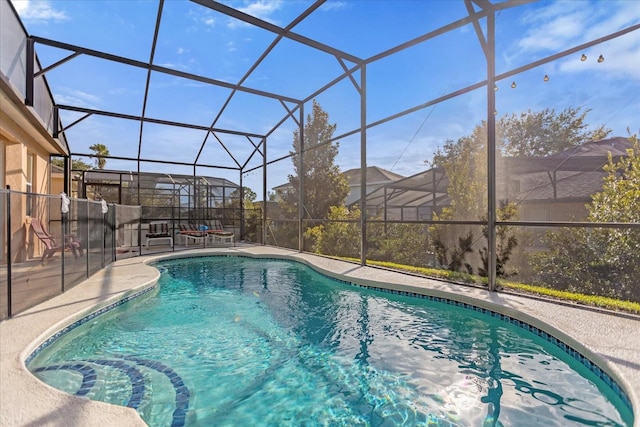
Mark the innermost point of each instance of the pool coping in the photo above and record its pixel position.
(607, 340)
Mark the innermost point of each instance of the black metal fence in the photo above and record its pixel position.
(46, 252)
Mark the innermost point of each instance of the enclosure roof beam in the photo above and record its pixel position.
(226, 149)
(56, 64)
(155, 121)
(234, 13)
(148, 81)
(445, 29)
(157, 68)
(142, 160)
(256, 149)
(498, 77)
(268, 50)
(476, 27)
(484, 4)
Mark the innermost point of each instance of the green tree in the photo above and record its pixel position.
(248, 199)
(101, 151)
(233, 199)
(602, 261)
(545, 132)
(252, 212)
(324, 185)
(506, 242)
(407, 244)
(76, 164)
(465, 164)
(465, 161)
(340, 236)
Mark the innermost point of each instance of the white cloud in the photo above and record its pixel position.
(175, 66)
(621, 58)
(231, 47)
(77, 98)
(611, 19)
(334, 5)
(566, 23)
(181, 50)
(261, 9)
(202, 16)
(38, 10)
(554, 27)
(119, 91)
(551, 11)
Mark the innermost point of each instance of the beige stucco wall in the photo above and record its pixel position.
(22, 133)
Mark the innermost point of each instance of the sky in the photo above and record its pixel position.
(197, 40)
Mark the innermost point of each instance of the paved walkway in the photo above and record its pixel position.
(612, 342)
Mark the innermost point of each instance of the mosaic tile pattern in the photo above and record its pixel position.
(88, 375)
(139, 387)
(135, 376)
(182, 391)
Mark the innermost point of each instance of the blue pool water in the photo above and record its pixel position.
(235, 341)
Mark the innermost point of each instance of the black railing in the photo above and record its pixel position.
(50, 251)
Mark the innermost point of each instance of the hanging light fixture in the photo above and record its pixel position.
(495, 88)
(513, 85)
(583, 57)
(601, 58)
(546, 78)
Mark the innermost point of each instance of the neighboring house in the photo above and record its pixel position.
(26, 134)
(376, 178)
(413, 198)
(551, 188)
(557, 187)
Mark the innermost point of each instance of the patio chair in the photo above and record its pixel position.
(216, 232)
(159, 230)
(50, 243)
(191, 234)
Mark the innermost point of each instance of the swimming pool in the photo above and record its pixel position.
(240, 341)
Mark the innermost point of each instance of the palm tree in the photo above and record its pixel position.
(101, 151)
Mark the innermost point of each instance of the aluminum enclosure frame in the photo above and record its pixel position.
(294, 108)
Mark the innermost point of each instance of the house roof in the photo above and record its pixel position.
(574, 186)
(586, 157)
(375, 175)
(427, 187)
(571, 175)
(617, 146)
(574, 174)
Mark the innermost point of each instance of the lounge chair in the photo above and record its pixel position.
(191, 234)
(159, 230)
(51, 245)
(216, 232)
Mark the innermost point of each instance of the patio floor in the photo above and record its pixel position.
(609, 340)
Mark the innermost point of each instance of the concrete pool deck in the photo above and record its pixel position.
(612, 342)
